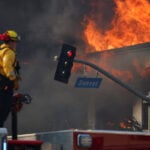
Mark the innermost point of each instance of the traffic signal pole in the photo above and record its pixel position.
(107, 74)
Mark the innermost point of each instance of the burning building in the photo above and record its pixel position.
(121, 46)
(131, 65)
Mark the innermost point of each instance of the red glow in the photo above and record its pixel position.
(70, 53)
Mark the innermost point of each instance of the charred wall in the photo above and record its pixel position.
(132, 62)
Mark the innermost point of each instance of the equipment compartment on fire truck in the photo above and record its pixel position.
(91, 140)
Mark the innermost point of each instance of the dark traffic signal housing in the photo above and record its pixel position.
(65, 63)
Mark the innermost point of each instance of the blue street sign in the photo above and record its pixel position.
(83, 82)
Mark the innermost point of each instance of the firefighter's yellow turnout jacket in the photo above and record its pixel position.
(8, 63)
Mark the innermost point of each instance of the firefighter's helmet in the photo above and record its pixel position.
(12, 35)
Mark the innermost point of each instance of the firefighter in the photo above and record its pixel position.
(9, 72)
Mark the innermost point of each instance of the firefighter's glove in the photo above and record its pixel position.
(16, 84)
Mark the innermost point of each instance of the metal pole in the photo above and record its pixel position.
(14, 124)
(107, 74)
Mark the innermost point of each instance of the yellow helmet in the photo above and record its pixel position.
(12, 35)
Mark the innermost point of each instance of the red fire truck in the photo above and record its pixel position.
(90, 140)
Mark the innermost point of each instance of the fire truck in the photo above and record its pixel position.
(75, 139)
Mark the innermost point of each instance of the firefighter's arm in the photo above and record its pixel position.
(8, 66)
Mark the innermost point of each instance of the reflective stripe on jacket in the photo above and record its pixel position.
(7, 62)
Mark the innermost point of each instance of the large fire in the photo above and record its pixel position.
(130, 25)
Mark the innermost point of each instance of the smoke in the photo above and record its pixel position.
(44, 26)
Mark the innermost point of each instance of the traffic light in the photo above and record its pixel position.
(65, 63)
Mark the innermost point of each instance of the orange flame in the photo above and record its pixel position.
(129, 26)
